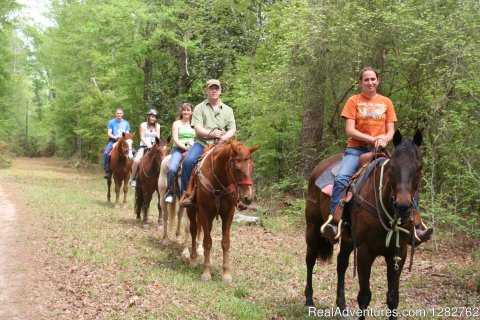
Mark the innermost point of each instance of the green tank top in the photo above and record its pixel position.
(186, 135)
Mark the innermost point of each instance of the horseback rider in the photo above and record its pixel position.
(183, 136)
(115, 128)
(148, 131)
(370, 121)
(213, 122)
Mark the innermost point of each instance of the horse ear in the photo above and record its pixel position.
(169, 138)
(417, 138)
(157, 141)
(123, 134)
(397, 138)
(254, 148)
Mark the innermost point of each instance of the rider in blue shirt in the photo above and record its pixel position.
(115, 128)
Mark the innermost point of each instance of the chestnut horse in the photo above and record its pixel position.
(378, 223)
(222, 177)
(120, 166)
(148, 172)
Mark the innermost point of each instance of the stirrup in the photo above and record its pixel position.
(339, 227)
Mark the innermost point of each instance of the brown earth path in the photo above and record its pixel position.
(33, 284)
(16, 297)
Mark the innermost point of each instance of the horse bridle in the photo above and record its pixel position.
(233, 189)
(125, 152)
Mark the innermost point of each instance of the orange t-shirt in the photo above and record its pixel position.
(370, 115)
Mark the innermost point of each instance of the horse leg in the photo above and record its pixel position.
(166, 215)
(117, 192)
(147, 198)
(192, 216)
(364, 270)
(226, 224)
(138, 202)
(180, 212)
(393, 279)
(206, 223)
(186, 238)
(160, 210)
(313, 239)
(109, 184)
(125, 191)
(346, 249)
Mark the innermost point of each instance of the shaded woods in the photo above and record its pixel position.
(287, 69)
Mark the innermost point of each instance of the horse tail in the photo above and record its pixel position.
(325, 250)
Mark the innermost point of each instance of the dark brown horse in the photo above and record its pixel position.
(378, 224)
(147, 184)
(120, 166)
(223, 177)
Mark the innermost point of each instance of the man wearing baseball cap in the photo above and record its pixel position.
(213, 122)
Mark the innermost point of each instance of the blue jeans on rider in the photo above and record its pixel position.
(173, 167)
(348, 166)
(106, 153)
(189, 162)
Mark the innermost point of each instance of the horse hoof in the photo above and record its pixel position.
(206, 277)
(185, 256)
(227, 277)
(165, 241)
(145, 226)
(117, 206)
(160, 229)
(179, 240)
(193, 264)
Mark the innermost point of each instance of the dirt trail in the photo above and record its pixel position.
(11, 268)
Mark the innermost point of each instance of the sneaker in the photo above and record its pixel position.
(169, 198)
(133, 183)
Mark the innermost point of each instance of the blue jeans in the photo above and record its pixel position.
(106, 154)
(190, 161)
(173, 167)
(348, 166)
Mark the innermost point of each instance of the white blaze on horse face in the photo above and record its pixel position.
(130, 150)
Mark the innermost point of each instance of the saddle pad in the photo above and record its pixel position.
(327, 177)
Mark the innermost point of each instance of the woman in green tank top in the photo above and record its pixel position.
(183, 136)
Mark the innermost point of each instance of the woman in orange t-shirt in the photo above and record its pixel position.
(370, 121)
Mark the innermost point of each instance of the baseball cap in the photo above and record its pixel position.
(212, 82)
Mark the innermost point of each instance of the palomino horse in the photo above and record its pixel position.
(169, 210)
(222, 177)
(120, 166)
(378, 222)
(172, 210)
(148, 172)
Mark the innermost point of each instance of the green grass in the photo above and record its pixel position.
(118, 270)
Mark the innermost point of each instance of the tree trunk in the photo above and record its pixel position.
(312, 122)
(147, 81)
(182, 73)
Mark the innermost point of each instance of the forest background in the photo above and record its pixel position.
(287, 68)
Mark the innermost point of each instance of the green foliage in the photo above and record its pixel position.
(280, 62)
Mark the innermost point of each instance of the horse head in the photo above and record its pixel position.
(405, 172)
(126, 143)
(161, 149)
(241, 168)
